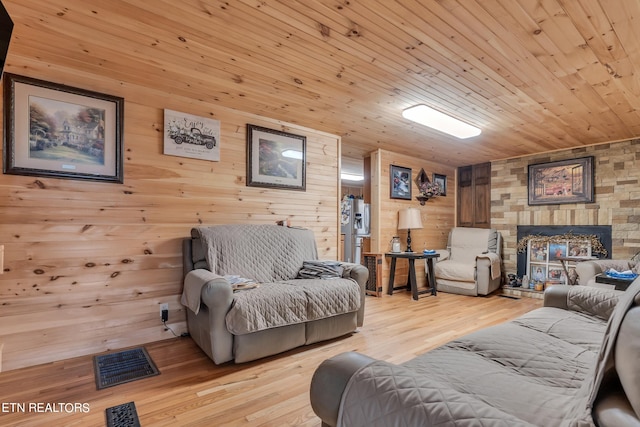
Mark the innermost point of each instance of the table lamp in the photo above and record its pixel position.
(407, 219)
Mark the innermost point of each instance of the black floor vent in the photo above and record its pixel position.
(123, 367)
(124, 415)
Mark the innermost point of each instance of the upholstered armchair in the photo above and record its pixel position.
(588, 270)
(471, 263)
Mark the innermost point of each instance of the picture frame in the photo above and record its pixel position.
(561, 182)
(186, 135)
(441, 181)
(276, 159)
(59, 131)
(400, 182)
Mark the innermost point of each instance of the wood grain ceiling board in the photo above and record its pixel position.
(534, 75)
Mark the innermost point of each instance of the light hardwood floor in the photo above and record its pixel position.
(274, 391)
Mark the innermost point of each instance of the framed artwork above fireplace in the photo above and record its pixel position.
(561, 182)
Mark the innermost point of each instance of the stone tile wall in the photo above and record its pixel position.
(617, 197)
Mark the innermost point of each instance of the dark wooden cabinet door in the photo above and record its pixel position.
(465, 196)
(474, 196)
(482, 193)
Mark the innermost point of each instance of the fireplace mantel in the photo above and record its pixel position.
(603, 232)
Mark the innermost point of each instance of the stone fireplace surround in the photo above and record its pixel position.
(603, 232)
(617, 177)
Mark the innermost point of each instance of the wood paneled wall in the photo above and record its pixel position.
(438, 214)
(87, 264)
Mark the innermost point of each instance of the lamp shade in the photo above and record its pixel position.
(409, 219)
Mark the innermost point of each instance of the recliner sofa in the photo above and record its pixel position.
(286, 310)
(574, 362)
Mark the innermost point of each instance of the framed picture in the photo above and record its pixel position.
(441, 181)
(186, 135)
(538, 273)
(565, 181)
(400, 182)
(58, 131)
(275, 159)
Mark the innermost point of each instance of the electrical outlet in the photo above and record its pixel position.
(164, 312)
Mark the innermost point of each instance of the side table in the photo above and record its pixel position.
(563, 260)
(619, 284)
(412, 283)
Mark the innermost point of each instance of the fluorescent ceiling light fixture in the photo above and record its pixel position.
(434, 119)
(351, 177)
(292, 154)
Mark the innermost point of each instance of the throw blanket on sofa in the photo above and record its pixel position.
(290, 302)
(494, 267)
(479, 380)
(265, 253)
(317, 269)
(193, 283)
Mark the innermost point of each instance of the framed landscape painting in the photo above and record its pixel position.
(275, 159)
(561, 182)
(58, 131)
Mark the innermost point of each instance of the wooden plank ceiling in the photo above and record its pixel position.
(535, 75)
